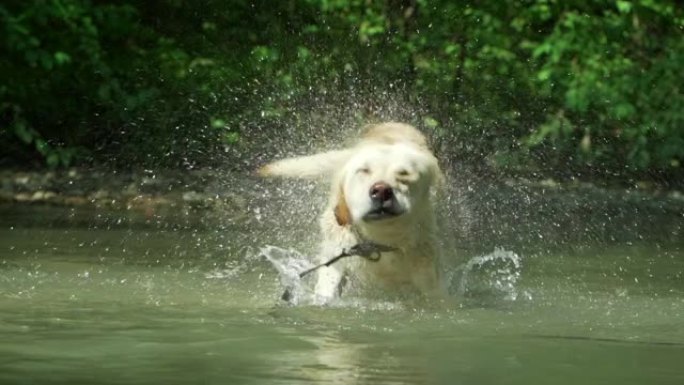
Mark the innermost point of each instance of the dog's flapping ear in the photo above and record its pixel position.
(311, 166)
(341, 210)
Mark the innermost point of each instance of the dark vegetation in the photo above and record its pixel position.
(565, 89)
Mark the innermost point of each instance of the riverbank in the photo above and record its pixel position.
(203, 188)
(191, 198)
(116, 189)
(145, 196)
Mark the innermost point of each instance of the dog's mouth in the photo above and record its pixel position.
(382, 212)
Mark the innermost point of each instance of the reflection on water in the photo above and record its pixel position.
(579, 290)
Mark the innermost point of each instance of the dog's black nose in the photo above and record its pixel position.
(381, 192)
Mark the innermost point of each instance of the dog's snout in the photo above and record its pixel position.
(381, 192)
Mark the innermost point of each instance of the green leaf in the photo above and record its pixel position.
(62, 57)
(544, 74)
(218, 123)
(624, 6)
(23, 132)
(52, 159)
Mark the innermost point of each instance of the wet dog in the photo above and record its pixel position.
(382, 191)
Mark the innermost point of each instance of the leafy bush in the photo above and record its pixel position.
(538, 85)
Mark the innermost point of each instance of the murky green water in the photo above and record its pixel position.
(146, 305)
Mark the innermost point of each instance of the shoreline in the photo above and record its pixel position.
(221, 200)
(104, 196)
(201, 188)
(197, 188)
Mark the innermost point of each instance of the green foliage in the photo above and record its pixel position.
(611, 74)
(543, 85)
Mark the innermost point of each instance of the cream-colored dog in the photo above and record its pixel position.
(382, 193)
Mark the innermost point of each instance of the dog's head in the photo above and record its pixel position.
(385, 182)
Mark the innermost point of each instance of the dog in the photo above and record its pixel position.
(382, 191)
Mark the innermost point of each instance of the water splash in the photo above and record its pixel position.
(289, 263)
(494, 275)
(483, 278)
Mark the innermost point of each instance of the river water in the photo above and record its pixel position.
(566, 287)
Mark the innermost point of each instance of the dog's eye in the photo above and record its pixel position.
(403, 172)
(363, 170)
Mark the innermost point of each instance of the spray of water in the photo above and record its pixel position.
(493, 275)
(288, 264)
(281, 212)
(482, 279)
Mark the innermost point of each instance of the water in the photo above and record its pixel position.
(83, 302)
